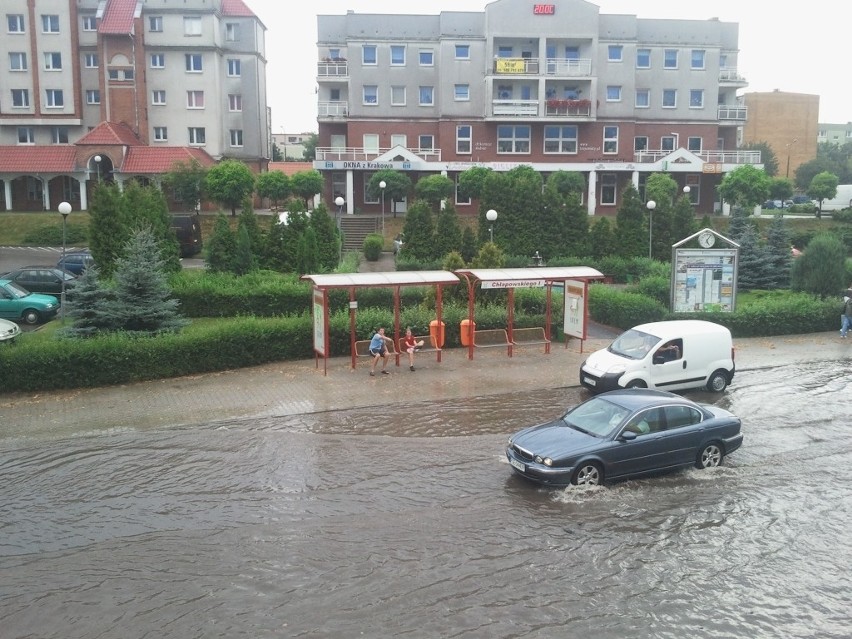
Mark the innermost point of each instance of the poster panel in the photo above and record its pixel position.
(574, 314)
(319, 321)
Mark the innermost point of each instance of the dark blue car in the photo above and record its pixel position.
(624, 433)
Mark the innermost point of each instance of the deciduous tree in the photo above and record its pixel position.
(228, 183)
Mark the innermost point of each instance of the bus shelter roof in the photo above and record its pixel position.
(548, 273)
(379, 279)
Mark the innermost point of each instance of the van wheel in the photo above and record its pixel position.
(636, 383)
(718, 381)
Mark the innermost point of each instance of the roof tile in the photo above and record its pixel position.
(110, 133)
(142, 160)
(57, 158)
(118, 17)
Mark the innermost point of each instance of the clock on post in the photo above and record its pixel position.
(706, 239)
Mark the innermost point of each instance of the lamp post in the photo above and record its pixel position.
(651, 206)
(686, 191)
(788, 145)
(64, 209)
(339, 201)
(382, 186)
(98, 159)
(491, 216)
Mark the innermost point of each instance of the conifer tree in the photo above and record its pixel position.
(631, 227)
(468, 245)
(221, 247)
(87, 306)
(602, 239)
(780, 251)
(755, 262)
(419, 232)
(448, 233)
(108, 231)
(244, 259)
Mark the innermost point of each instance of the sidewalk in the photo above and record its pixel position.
(290, 388)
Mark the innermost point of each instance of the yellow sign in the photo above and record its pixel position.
(712, 167)
(511, 66)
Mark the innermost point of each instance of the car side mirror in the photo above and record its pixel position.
(627, 436)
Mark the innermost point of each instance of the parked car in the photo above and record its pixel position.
(17, 303)
(801, 199)
(8, 331)
(624, 433)
(773, 204)
(76, 262)
(46, 280)
(187, 229)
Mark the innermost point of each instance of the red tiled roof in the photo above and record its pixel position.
(289, 168)
(141, 160)
(118, 17)
(109, 133)
(58, 158)
(236, 9)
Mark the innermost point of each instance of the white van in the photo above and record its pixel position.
(665, 355)
(841, 200)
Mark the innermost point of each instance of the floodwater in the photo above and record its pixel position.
(409, 523)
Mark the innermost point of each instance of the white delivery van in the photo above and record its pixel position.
(665, 355)
(841, 200)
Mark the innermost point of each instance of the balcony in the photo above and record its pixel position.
(515, 108)
(360, 154)
(732, 114)
(516, 66)
(576, 68)
(710, 157)
(332, 109)
(566, 108)
(730, 77)
(333, 69)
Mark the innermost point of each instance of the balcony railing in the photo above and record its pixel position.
(360, 154)
(332, 109)
(731, 75)
(733, 112)
(555, 107)
(579, 68)
(515, 108)
(333, 69)
(516, 66)
(711, 157)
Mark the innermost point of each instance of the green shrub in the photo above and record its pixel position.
(619, 308)
(52, 235)
(373, 245)
(656, 287)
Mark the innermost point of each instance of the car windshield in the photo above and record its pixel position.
(597, 417)
(16, 291)
(633, 344)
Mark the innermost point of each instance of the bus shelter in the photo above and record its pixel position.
(323, 283)
(573, 279)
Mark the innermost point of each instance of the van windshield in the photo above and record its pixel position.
(633, 344)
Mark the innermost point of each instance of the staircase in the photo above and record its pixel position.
(355, 228)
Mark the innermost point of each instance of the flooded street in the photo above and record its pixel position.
(406, 521)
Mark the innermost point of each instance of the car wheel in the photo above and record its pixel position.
(31, 316)
(710, 456)
(718, 381)
(636, 383)
(588, 474)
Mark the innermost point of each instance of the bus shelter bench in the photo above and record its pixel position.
(491, 337)
(525, 336)
(362, 348)
(430, 344)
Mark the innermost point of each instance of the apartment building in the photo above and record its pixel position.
(119, 89)
(557, 86)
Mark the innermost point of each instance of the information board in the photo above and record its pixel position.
(704, 280)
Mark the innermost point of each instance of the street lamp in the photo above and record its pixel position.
(382, 186)
(651, 206)
(788, 145)
(686, 191)
(98, 159)
(340, 202)
(64, 209)
(491, 216)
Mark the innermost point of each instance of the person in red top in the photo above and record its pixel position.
(411, 345)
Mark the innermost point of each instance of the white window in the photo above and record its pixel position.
(369, 199)
(17, 61)
(54, 98)
(462, 92)
(462, 52)
(236, 137)
(368, 54)
(235, 102)
(427, 58)
(90, 60)
(158, 60)
(669, 98)
(20, 98)
(158, 97)
(560, 139)
(90, 23)
(426, 142)
(693, 143)
(195, 99)
(513, 138)
(371, 142)
(194, 63)
(460, 199)
(643, 58)
(59, 134)
(643, 98)
(610, 139)
(697, 61)
(464, 139)
(694, 184)
(232, 34)
(640, 143)
(613, 93)
(192, 26)
(696, 98)
(15, 22)
(609, 181)
(667, 143)
(155, 23)
(397, 55)
(52, 61)
(504, 51)
(670, 59)
(93, 96)
(398, 96)
(112, 74)
(161, 134)
(197, 135)
(50, 23)
(371, 94)
(615, 53)
(399, 139)
(26, 135)
(235, 68)
(427, 96)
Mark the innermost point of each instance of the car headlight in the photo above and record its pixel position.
(618, 369)
(547, 461)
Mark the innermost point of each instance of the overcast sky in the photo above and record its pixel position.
(797, 48)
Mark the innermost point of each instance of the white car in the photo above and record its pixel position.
(8, 331)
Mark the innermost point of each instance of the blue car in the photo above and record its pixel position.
(624, 433)
(76, 262)
(18, 304)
